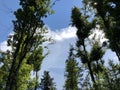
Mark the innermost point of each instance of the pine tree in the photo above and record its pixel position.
(112, 76)
(47, 82)
(72, 72)
(87, 57)
(108, 17)
(84, 28)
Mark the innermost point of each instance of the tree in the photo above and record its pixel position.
(26, 41)
(47, 82)
(4, 67)
(108, 17)
(84, 28)
(72, 72)
(112, 76)
(87, 57)
(36, 59)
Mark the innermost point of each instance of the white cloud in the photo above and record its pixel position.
(98, 35)
(66, 33)
(55, 61)
(4, 47)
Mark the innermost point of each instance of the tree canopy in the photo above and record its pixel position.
(86, 68)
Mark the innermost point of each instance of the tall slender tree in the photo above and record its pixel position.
(87, 57)
(107, 17)
(84, 28)
(72, 72)
(27, 39)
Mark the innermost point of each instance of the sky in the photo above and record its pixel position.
(59, 28)
(60, 19)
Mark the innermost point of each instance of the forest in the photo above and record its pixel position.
(85, 69)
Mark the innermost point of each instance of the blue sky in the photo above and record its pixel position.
(60, 19)
(7, 8)
(59, 29)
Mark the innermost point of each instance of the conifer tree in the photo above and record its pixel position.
(88, 58)
(108, 17)
(72, 72)
(47, 82)
(112, 76)
(84, 28)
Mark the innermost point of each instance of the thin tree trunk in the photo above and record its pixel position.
(36, 81)
(91, 72)
(89, 65)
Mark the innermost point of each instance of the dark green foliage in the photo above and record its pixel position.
(27, 51)
(26, 44)
(96, 52)
(36, 59)
(5, 61)
(81, 23)
(72, 72)
(109, 77)
(114, 76)
(90, 59)
(108, 13)
(83, 30)
(47, 82)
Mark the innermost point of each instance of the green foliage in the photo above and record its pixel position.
(103, 77)
(27, 53)
(89, 58)
(31, 84)
(108, 78)
(81, 23)
(113, 72)
(5, 62)
(107, 13)
(72, 72)
(96, 52)
(47, 82)
(24, 76)
(36, 58)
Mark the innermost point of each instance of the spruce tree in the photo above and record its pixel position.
(72, 72)
(47, 82)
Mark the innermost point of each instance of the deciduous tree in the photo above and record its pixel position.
(26, 41)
